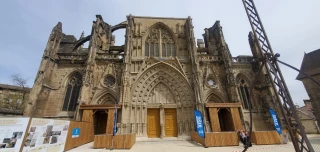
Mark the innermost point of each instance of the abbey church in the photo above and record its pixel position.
(153, 82)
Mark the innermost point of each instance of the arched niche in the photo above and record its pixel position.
(105, 97)
(214, 96)
(166, 74)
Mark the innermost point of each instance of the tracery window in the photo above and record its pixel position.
(159, 43)
(243, 91)
(72, 93)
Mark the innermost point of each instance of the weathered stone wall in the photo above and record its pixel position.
(313, 90)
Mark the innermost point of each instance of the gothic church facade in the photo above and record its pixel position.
(157, 78)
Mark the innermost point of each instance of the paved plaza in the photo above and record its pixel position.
(176, 145)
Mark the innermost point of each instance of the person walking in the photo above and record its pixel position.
(243, 138)
(248, 142)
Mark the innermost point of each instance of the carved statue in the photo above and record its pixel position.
(180, 128)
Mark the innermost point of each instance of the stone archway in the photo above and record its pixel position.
(103, 119)
(176, 94)
(212, 96)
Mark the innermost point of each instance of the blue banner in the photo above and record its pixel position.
(199, 123)
(275, 121)
(115, 120)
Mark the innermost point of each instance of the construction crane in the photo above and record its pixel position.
(270, 61)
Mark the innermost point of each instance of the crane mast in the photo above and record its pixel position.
(287, 107)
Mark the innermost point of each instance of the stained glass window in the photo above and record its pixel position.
(72, 93)
(163, 50)
(168, 50)
(151, 49)
(146, 53)
(173, 48)
(156, 51)
(159, 37)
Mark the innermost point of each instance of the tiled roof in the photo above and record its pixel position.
(310, 64)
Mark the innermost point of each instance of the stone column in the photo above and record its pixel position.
(144, 120)
(162, 121)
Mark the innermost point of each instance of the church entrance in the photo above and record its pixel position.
(153, 123)
(170, 122)
(225, 119)
(100, 122)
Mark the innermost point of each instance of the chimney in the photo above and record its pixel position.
(307, 103)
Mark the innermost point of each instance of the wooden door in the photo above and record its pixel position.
(153, 123)
(100, 122)
(170, 122)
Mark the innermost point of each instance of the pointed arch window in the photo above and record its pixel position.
(72, 93)
(243, 91)
(159, 43)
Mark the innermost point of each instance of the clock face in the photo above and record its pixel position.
(109, 81)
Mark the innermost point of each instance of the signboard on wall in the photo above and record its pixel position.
(46, 135)
(39, 135)
(59, 136)
(275, 121)
(75, 132)
(199, 123)
(12, 131)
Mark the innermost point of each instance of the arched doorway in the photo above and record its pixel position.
(166, 94)
(225, 119)
(102, 118)
(213, 96)
(161, 94)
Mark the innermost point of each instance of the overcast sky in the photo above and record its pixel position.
(293, 27)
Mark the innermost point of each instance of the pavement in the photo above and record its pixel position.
(178, 145)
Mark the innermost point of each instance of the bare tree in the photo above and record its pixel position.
(17, 99)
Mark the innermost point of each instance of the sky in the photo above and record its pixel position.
(293, 28)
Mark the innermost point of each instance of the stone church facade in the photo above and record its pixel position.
(158, 77)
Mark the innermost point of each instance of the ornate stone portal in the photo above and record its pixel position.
(158, 78)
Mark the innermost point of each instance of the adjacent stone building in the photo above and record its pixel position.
(311, 66)
(308, 119)
(158, 78)
(13, 99)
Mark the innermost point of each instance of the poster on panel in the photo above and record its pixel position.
(39, 135)
(75, 132)
(59, 136)
(12, 131)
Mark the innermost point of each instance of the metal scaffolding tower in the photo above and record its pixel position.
(287, 106)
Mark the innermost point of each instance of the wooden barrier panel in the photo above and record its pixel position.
(125, 141)
(87, 115)
(214, 119)
(110, 121)
(86, 134)
(266, 137)
(236, 118)
(195, 137)
(216, 139)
